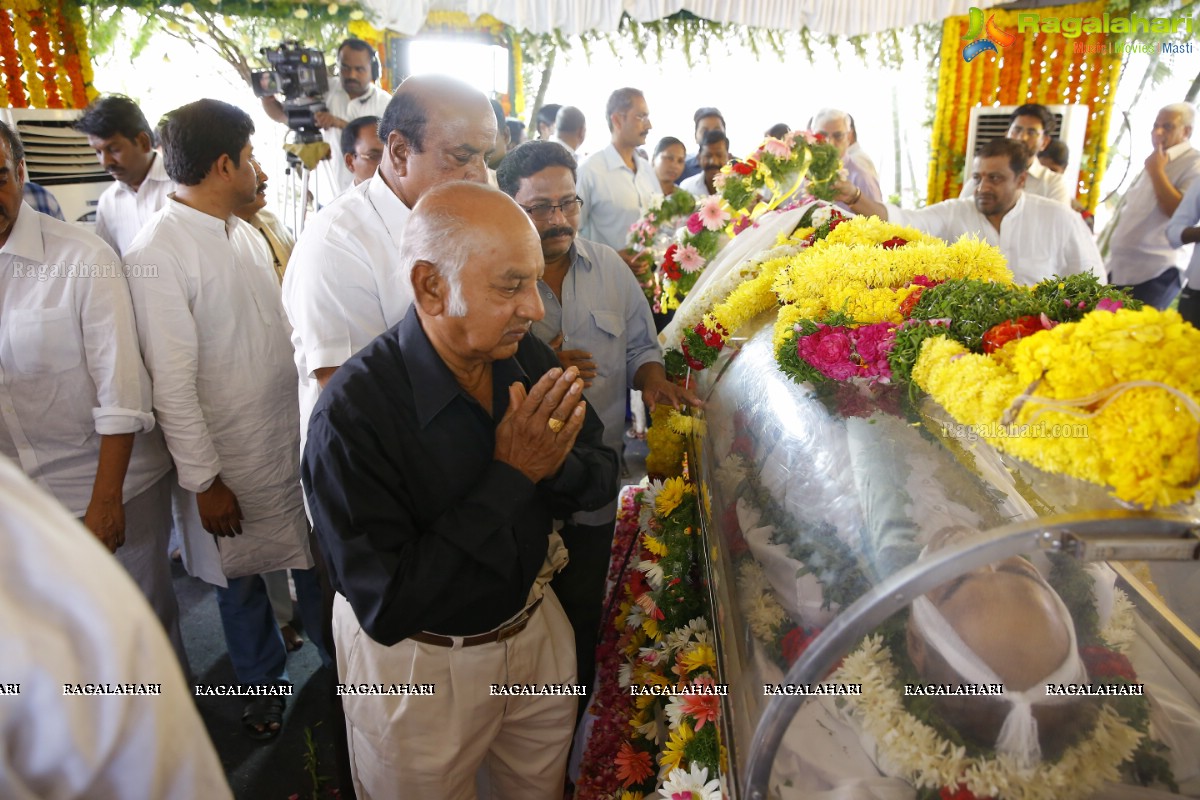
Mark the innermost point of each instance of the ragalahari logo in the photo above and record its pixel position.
(995, 35)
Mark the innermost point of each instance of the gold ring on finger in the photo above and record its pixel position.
(556, 425)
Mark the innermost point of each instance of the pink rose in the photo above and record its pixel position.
(829, 351)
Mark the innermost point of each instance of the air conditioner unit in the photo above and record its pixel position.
(991, 122)
(59, 158)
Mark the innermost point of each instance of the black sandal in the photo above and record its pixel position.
(263, 712)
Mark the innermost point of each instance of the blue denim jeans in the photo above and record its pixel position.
(252, 635)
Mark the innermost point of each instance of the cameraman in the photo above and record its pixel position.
(353, 95)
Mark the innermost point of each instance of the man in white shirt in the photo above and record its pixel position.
(361, 149)
(1031, 124)
(343, 285)
(124, 142)
(355, 94)
(75, 409)
(216, 343)
(1140, 254)
(71, 618)
(714, 154)
(618, 185)
(1037, 237)
(570, 129)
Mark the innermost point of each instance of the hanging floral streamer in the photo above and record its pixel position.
(44, 55)
(1047, 68)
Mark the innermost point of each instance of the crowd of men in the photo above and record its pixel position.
(424, 396)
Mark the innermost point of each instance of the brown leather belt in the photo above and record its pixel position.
(499, 635)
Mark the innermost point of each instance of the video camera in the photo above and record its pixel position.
(299, 74)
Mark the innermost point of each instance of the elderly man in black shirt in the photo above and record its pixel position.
(438, 458)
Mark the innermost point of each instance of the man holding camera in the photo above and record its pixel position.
(353, 95)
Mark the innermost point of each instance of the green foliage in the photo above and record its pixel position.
(704, 749)
(907, 347)
(675, 364)
(700, 39)
(973, 306)
(1062, 296)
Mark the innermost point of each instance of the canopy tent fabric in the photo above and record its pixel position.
(573, 17)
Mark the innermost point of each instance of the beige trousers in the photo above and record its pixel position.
(425, 747)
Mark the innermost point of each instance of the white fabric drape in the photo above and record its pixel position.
(576, 16)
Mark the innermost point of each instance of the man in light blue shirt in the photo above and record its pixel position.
(617, 185)
(597, 320)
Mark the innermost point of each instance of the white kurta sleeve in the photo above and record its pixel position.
(71, 617)
(332, 302)
(170, 347)
(1079, 251)
(110, 346)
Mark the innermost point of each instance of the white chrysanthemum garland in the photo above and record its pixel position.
(919, 754)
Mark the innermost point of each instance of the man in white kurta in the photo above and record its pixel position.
(1038, 238)
(343, 285)
(75, 409)
(124, 143)
(70, 618)
(216, 342)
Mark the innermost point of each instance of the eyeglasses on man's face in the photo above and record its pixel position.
(544, 211)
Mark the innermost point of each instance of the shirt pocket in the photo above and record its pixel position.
(609, 349)
(44, 341)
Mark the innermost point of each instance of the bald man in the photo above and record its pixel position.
(343, 285)
(1013, 622)
(437, 459)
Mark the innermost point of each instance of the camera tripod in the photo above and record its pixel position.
(303, 154)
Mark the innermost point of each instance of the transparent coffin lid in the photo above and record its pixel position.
(816, 498)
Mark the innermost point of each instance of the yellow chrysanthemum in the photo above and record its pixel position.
(1113, 399)
(666, 448)
(670, 496)
(698, 656)
(650, 626)
(654, 545)
(672, 754)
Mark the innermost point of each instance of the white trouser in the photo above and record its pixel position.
(432, 746)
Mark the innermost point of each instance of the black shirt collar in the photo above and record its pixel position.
(434, 385)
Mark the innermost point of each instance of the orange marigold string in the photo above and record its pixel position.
(45, 56)
(12, 63)
(79, 97)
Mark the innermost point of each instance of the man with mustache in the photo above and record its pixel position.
(354, 94)
(618, 185)
(124, 143)
(714, 154)
(598, 321)
(1032, 125)
(438, 458)
(1038, 237)
(278, 238)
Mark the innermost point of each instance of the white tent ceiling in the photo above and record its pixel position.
(842, 18)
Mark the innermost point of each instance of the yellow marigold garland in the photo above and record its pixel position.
(867, 282)
(1139, 439)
